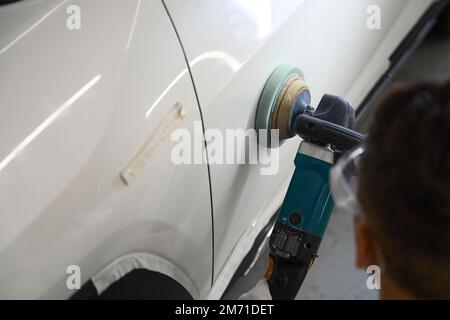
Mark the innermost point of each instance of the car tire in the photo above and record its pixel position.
(139, 284)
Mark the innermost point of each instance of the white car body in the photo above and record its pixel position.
(77, 105)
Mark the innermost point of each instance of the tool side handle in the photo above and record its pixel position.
(317, 130)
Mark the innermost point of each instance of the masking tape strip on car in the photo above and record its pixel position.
(124, 265)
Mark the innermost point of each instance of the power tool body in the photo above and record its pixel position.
(326, 133)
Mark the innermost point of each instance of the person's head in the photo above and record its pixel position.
(404, 192)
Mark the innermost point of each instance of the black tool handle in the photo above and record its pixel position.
(286, 278)
(290, 260)
(324, 132)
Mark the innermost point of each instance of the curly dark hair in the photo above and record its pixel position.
(405, 186)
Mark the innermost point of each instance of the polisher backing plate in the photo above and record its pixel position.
(276, 100)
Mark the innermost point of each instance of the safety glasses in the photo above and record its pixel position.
(344, 182)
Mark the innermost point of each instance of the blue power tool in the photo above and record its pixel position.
(327, 132)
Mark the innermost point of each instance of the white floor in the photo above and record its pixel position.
(334, 275)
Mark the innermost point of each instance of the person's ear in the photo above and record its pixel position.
(365, 245)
